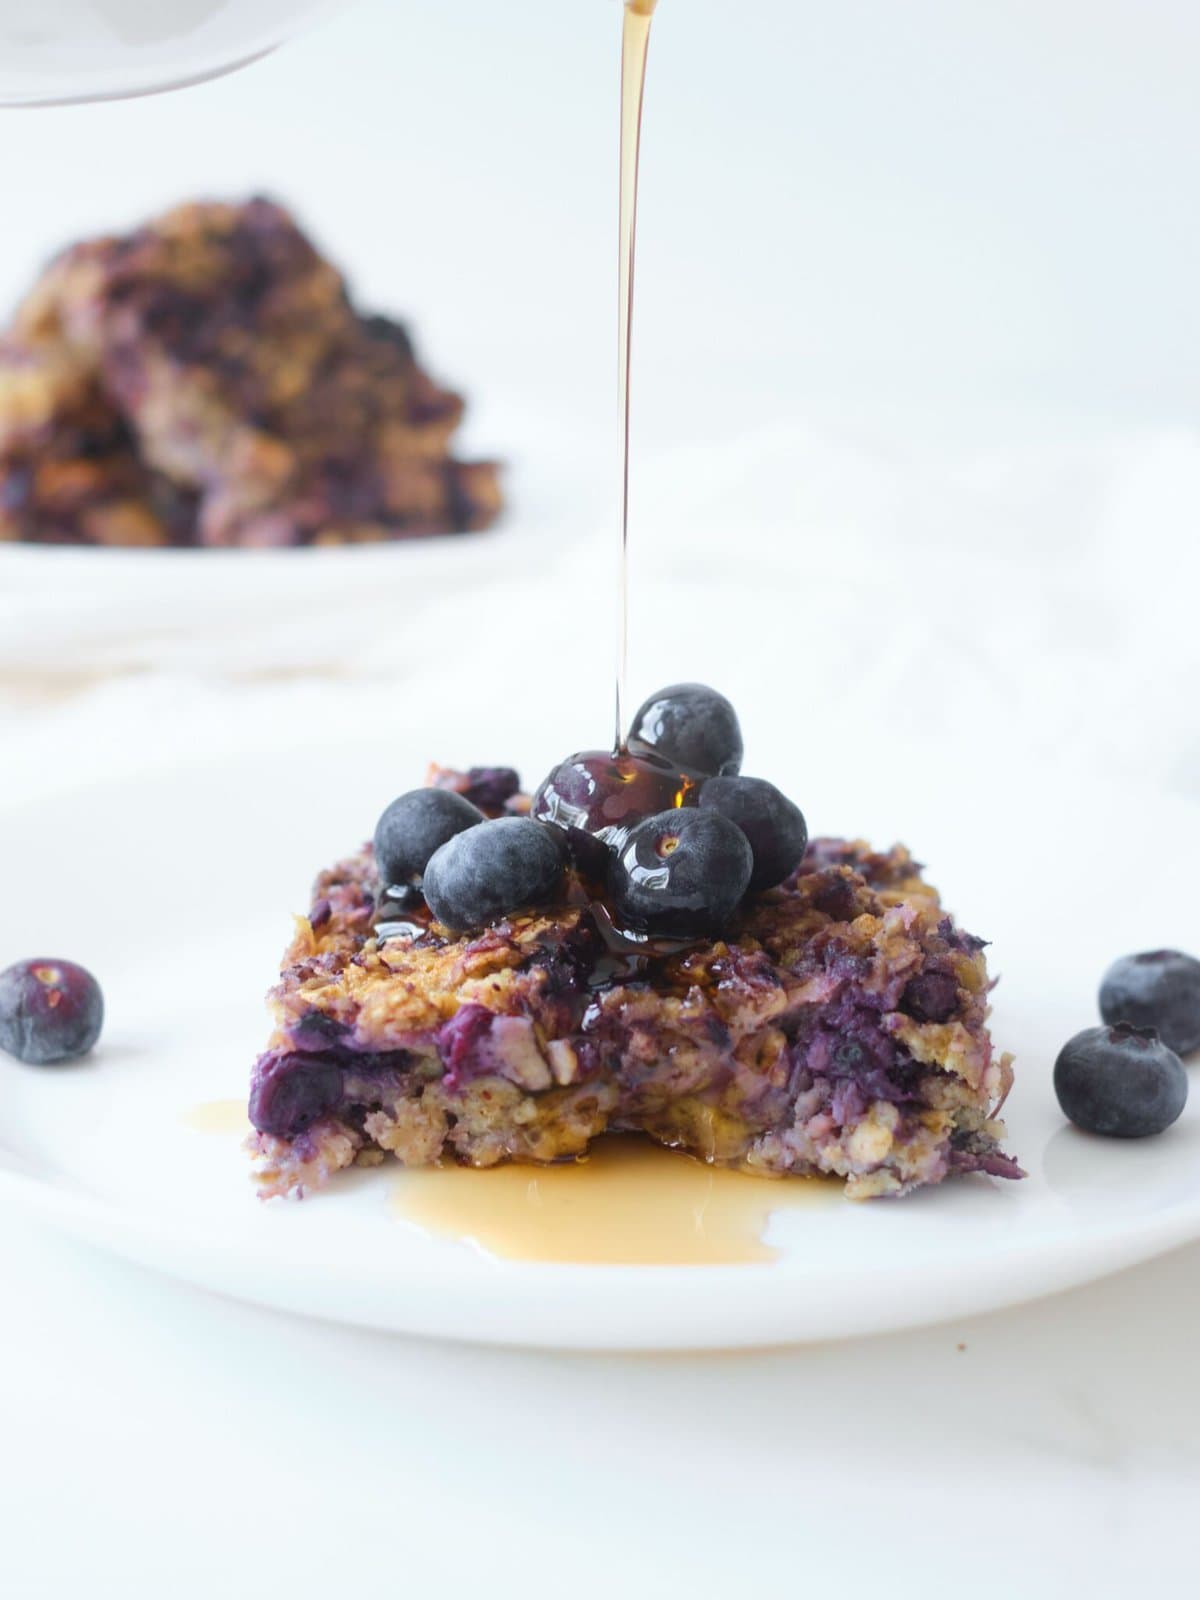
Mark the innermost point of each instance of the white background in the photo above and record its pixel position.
(918, 373)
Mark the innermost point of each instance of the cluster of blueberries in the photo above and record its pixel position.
(1126, 1079)
(667, 830)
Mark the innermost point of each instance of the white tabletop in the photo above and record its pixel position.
(160, 1440)
(1034, 578)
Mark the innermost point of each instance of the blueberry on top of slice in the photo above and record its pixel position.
(1157, 989)
(488, 872)
(692, 725)
(606, 794)
(50, 1011)
(774, 826)
(681, 873)
(1120, 1081)
(416, 825)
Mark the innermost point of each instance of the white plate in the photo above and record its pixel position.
(176, 889)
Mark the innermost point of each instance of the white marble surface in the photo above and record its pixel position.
(957, 600)
(157, 1440)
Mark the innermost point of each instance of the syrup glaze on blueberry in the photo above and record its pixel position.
(681, 873)
(603, 794)
(692, 725)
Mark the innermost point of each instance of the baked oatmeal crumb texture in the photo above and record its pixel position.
(840, 1028)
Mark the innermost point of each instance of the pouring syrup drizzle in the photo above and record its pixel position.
(635, 43)
(630, 1201)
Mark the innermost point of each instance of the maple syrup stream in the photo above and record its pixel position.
(635, 43)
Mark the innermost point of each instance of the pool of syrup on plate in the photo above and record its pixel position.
(629, 1203)
(218, 1116)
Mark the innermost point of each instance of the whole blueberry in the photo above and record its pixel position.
(605, 794)
(416, 825)
(774, 826)
(510, 864)
(692, 725)
(293, 1090)
(1157, 989)
(1120, 1081)
(681, 873)
(50, 1011)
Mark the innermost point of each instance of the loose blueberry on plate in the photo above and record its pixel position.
(488, 872)
(774, 826)
(1121, 1081)
(681, 873)
(604, 795)
(416, 825)
(1157, 989)
(50, 1011)
(691, 725)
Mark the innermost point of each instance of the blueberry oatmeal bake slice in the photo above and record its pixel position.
(208, 375)
(496, 979)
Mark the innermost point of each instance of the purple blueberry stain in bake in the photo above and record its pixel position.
(931, 996)
(992, 1162)
(319, 916)
(491, 788)
(968, 943)
(841, 962)
(836, 897)
(315, 1030)
(293, 1090)
(459, 1042)
(717, 1031)
(847, 1042)
(16, 488)
(569, 962)
(478, 1043)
